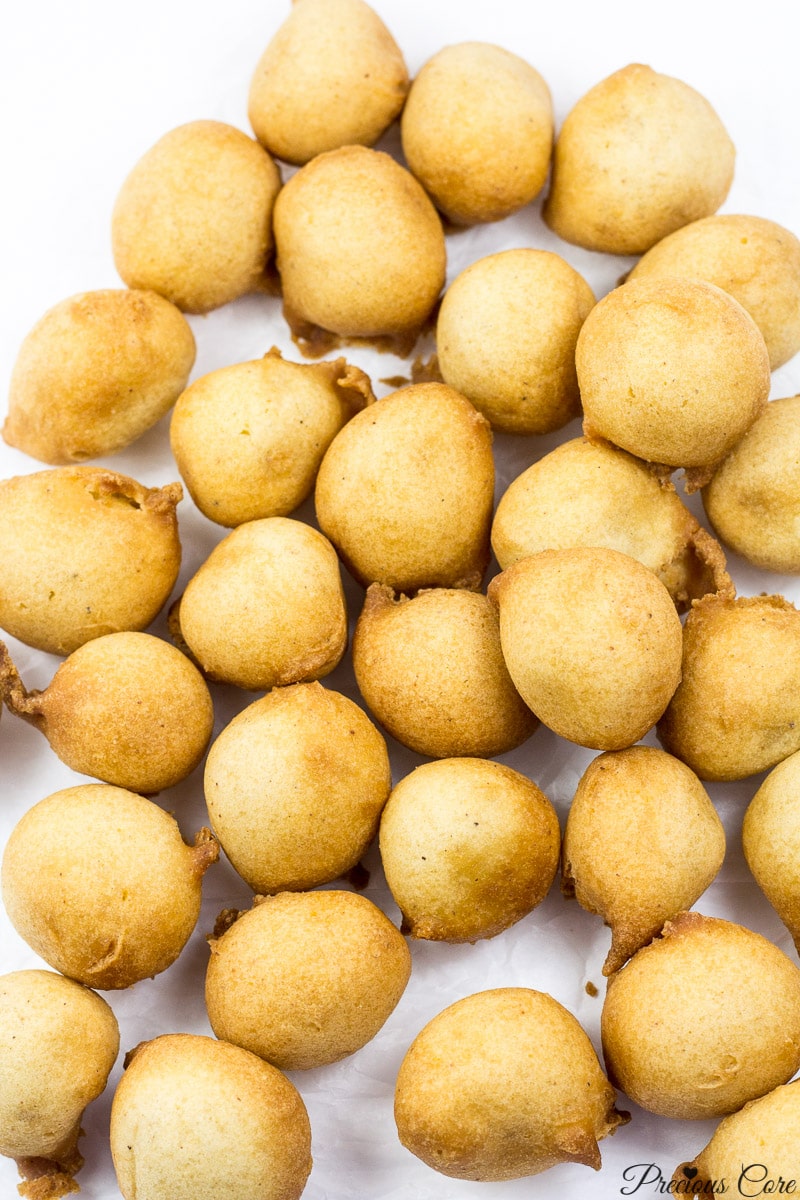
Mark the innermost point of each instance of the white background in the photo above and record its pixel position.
(86, 88)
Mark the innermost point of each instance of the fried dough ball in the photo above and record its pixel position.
(432, 671)
(85, 552)
(643, 842)
(750, 1149)
(405, 491)
(197, 1119)
(95, 373)
(248, 439)
(127, 708)
(753, 499)
(332, 76)
(360, 247)
(503, 1084)
(592, 642)
(477, 132)
(58, 1043)
(702, 1020)
(193, 220)
(506, 338)
(305, 978)
(295, 786)
(587, 493)
(640, 155)
(266, 608)
(672, 370)
(755, 261)
(737, 709)
(469, 847)
(771, 842)
(99, 882)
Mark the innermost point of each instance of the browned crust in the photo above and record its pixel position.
(426, 370)
(228, 917)
(358, 877)
(721, 600)
(396, 381)
(379, 597)
(176, 633)
(695, 478)
(131, 1054)
(700, 570)
(269, 282)
(662, 471)
(13, 693)
(205, 851)
(684, 923)
(578, 1145)
(567, 877)
(625, 941)
(422, 371)
(352, 385)
(160, 502)
(714, 568)
(49, 1179)
(313, 341)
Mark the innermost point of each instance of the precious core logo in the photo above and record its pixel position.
(754, 1179)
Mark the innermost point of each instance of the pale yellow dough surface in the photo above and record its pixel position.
(95, 373)
(506, 336)
(469, 847)
(295, 786)
(431, 669)
(673, 371)
(640, 155)
(399, 514)
(477, 131)
(753, 498)
(592, 642)
(360, 247)
(85, 552)
(306, 978)
(704, 1052)
(266, 608)
(503, 1084)
(193, 220)
(331, 76)
(754, 260)
(197, 1119)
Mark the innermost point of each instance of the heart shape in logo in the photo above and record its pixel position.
(690, 1172)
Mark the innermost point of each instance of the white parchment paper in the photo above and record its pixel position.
(86, 88)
